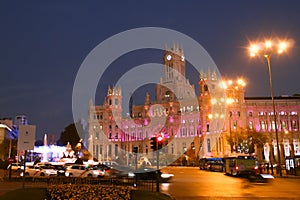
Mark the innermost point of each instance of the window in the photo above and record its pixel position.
(116, 150)
(250, 125)
(167, 95)
(250, 114)
(234, 124)
(116, 101)
(273, 125)
(262, 126)
(191, 131)
(208, 145)
(109, 150)
(97, 151)
(283, 125)
(183, 147)
(293, 113)
(262, 114)
(294, 124)
(205, 88)
(183, 131)
(282, 113)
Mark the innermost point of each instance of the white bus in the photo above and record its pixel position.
(239, 165)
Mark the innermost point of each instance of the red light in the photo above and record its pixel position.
(159, 139)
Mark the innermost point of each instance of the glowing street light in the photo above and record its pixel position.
(266, 49)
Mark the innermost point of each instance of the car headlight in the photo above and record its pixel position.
(166, 175)
(96, 172)
(130, 174)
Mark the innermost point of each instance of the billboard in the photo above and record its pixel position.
(26, 137)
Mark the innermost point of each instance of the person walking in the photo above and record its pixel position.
(268, 167)
(272, 168)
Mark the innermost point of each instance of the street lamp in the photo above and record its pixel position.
(266, 49)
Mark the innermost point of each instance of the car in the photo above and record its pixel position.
(151, 174)
(39, 171)
(217, 167)
(77, 170)
(15, 167)
(109, 163)
(61, 170)
(120, 171)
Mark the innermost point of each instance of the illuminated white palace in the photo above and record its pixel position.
(191, 129)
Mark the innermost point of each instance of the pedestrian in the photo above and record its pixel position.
(277, 169)
(260, 168)
(268, 167)
(272, 168)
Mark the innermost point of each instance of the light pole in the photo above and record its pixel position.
(266, 49)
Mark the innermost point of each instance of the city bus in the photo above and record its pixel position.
(206, 163)
(240, 165)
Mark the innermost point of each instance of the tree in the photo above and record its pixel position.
(70, 134)
(244, 140)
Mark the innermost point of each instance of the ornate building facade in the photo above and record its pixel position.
(192, 126)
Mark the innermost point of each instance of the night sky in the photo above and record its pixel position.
(43, 44)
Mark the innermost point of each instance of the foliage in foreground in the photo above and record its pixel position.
(93, 192)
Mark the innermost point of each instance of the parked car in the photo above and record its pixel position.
(60, 169)
(217, 167)
(83, 171)
(109, 163)
(15, 167)
(41, 170)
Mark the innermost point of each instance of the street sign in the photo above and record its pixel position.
(26, 137)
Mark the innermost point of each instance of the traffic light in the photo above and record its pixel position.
(153, 143)
(159, 142)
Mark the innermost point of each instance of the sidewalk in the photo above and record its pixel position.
(17, 192)
(284, 174)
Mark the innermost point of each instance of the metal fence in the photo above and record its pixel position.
(144, 185)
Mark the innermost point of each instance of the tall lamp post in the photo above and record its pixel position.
(266, 49)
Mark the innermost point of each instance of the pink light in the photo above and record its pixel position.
(146, 122)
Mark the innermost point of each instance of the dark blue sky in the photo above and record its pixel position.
(43, 43)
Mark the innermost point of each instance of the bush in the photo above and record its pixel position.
(85, 191)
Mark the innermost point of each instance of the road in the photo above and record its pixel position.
(192, 183)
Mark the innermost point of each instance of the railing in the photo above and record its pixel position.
(144, 185)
